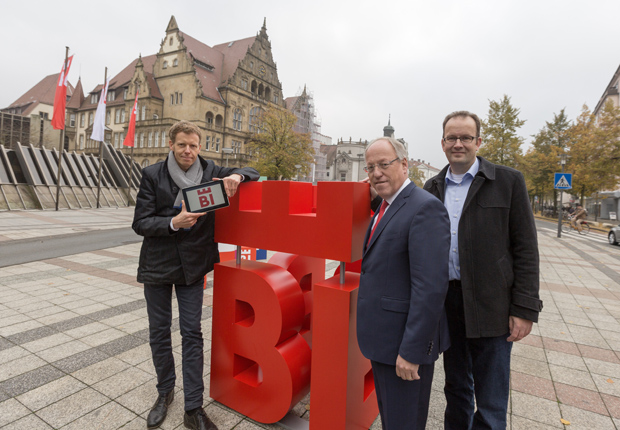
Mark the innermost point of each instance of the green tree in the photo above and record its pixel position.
(594, 144)
(277, 148)
(416, 176)
(542, 160)
(583, 157)
(500, 142)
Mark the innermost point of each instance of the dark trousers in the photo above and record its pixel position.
(475, 368)
(159, 308)
(403, 405)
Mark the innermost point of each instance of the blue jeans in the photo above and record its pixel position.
(477, 368)
(159, 309)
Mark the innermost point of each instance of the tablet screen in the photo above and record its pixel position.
(205, 197)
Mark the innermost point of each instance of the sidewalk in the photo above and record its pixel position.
(74, 348)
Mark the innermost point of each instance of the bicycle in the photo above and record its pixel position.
(567, 226)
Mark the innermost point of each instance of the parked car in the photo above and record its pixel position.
(614, 235)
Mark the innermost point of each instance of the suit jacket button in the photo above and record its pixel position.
(175, 189)
(362, 272)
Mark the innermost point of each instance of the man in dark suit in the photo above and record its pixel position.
(493, 297)
(179, 250)
(401, 322)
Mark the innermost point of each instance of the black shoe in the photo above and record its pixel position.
(159, 410)
(198, 420)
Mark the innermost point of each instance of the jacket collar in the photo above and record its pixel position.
(486, 169)
(400, 201)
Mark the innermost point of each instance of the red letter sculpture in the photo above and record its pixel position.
(267, 316)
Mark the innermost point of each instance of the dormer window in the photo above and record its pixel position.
(170, 40)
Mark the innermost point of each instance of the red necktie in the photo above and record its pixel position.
(381, 212)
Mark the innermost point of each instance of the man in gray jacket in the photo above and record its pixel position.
(178, 249)
(492, 297)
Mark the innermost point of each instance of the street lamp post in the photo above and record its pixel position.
(563, 156)
(297, 166)
(227, 152)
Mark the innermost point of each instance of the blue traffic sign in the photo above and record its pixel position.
(563, 181)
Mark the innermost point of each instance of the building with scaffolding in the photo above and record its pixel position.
(309, 122)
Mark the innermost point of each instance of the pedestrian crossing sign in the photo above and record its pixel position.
(563, 181)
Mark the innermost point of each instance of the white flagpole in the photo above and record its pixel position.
(105, 81)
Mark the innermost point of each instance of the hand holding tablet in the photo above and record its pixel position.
(205, 197)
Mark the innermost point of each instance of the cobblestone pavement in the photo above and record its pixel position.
(74, 348)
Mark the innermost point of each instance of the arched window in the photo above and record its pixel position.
(165, 66)
(175, 62)
(254, 87)
(209, 118)
(219, 120)
(260, 90)
(237, 119)
(255, 114)
(145, 163)
(267, 93)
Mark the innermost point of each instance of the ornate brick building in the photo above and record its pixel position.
(222, 89)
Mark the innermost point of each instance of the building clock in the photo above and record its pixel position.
(262, 70)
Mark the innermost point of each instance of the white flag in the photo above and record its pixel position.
(99, 123)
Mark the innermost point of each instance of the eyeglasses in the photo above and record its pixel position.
(464, 139)
(381, 166)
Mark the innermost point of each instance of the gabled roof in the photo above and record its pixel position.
(233, 53)
(43, 92)
(201, 53)
(77, 98)
(612, 89)
(418, 163)
(290, 102)
(123, 78)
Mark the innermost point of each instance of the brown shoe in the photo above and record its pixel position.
(198, 420)
(159, 410)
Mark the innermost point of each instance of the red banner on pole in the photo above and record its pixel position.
(60, 97)
(131, 131)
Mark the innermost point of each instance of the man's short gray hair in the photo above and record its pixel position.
(399, 148)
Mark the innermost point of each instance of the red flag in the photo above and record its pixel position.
(131, 131)
(60, 98)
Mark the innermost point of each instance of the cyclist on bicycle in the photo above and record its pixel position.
(579, 216)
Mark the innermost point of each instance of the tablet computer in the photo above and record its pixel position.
(205, 197)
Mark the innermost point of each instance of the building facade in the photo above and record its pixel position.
(37, 104)
(223, 89)
(345, 160)
(606, 204)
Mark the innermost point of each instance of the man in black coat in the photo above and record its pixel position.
(493, 296)
(178, 249)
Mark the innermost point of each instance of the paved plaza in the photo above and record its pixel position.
(74, 350)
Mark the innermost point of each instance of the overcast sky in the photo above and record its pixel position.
(362, 60)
